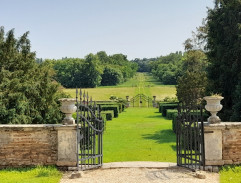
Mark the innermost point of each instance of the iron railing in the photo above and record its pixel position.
(190, 137)
(141, 100)
(89, 132)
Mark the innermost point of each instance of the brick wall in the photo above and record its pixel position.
(222, 143)
(232, 145)
(26, 145)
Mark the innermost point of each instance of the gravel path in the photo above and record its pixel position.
(141, 175)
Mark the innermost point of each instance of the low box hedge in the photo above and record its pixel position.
(167, 106)
(121, 105)
(174, 122)
(111, 104)
(161, 104)
(115, 108)
(170, 113)
(109, 114)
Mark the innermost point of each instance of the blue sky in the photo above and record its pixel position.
(75, 28)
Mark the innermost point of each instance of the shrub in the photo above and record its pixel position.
(171, 112)
(164, 108)
(109, 114)
(115, 108)
(28, 93)
(174, 122)
(161, 104)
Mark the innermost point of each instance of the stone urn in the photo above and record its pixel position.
(213, 106)
(68, 108)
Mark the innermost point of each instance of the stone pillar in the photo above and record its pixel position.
(128, 102)
(67, 146)
(213, 144)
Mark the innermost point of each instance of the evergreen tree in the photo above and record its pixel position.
(192, 84)
(224, 53)
(27, 92)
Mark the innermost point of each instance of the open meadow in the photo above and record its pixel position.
(140, 83)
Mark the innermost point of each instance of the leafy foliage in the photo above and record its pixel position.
(191, 86)
(27, 92)
(144, 64)
(167, 68)
(224, 53)
(94, 70)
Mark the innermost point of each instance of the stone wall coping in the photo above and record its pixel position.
(66, 127)
(222, 126)
(26, 126)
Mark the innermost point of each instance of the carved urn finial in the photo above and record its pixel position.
(68, 108)
(213, 106)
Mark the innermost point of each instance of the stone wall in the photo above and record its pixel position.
(223, 143)
(28, 145)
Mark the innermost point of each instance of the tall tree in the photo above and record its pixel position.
(192, 84)
(27, 92)
(93, 70)
(224, 53)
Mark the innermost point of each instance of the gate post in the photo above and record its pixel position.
(67, 146)
(213, 144)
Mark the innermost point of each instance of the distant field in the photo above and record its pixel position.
(140, 83)
(105, 93)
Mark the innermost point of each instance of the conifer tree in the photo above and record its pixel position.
(224, 54)
(27, 92)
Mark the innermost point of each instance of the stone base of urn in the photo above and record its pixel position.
(214, 120)
(68, 122)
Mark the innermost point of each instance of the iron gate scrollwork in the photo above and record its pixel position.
(190, 137)
(89, 133)
(141, 100)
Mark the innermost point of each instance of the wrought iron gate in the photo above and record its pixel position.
(190, 137)
(141, 100)
(89, 133)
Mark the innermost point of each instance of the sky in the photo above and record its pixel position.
(75, 28)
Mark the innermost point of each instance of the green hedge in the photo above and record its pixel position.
(161, 104)
(171, 112)
(174, 122)
(167, 106)
(120, 105)
(109, 114)
(115, 108)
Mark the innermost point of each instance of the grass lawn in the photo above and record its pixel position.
(230, 174)
(30, 175)
(140, 83)
(139, 134)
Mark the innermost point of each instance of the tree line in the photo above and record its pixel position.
(94, 70)
(211, 63)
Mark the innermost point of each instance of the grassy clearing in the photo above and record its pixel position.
(105, 93)
(230, 174)
(141, 83)
(139, 134)
(39, 174)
